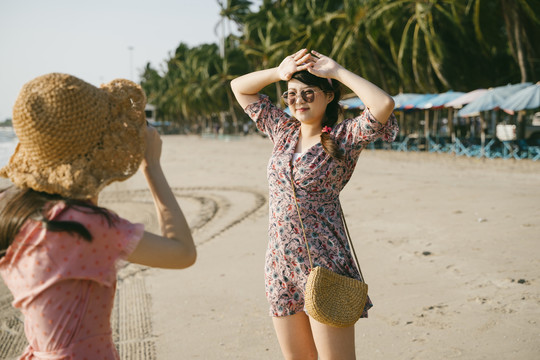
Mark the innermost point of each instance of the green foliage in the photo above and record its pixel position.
(401, 45)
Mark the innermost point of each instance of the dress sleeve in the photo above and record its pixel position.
(355, 134)
(268, 118)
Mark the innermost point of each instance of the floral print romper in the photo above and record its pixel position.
(318, 181)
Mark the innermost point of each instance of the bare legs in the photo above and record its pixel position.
(295, 337)
(301, 337)
(333, 343)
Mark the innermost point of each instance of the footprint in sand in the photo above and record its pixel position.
(210, 211)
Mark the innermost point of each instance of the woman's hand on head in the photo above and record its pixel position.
(322, 66)
(153, 147)
(293, 63)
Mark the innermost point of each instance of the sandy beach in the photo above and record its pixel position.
(449, 247)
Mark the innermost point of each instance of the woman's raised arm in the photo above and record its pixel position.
(379, 103)
(175, 248)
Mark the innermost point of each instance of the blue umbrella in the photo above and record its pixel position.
(418, 102)
(402, 99)
(527, 98)
(352, 103)
(439, 100)
(491, 99)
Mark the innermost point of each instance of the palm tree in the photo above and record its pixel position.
(520, 18)
(228, 67)
(152, 84)
(281, 28)
(231, 10)
(265, 39)
(231, 56)
(420, 49)
(402, 45)
(358, 44)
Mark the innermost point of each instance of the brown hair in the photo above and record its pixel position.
(333, 109)
(19, 205)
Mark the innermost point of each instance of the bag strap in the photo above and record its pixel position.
(301, 222)
(350, 242)
(305, 237)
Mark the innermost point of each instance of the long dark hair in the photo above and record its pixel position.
(333, 109)
(19, 205)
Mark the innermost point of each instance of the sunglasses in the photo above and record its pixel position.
(308, 95)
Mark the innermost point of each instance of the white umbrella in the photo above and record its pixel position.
(465, 98)
(492, 99)
(527, 98)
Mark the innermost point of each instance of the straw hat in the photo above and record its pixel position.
(75, 138)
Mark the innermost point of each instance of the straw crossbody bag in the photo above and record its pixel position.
(330, 298)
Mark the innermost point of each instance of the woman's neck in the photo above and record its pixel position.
(309, 136)
(310, 130)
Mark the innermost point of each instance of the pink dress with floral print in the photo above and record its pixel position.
(65, 286)
(318, 180)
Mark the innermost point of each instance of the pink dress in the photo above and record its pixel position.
(318, 181)
(65, 285)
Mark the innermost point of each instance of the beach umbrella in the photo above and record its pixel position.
(527, 98)
(401, 100)
(465, 99)
(414, 103)
(417, 102)
(408, 101)
(491, 99)
(439, 100)
(352, 103)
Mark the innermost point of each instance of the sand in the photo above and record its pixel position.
(449, 247)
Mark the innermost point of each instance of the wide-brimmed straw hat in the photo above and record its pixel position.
(75, 138)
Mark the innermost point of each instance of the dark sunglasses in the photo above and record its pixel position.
(308, 95)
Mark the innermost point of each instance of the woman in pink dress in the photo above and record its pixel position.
(58, 248)
(320, 154)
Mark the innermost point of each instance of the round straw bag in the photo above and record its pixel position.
(330, 298)
(334, 299)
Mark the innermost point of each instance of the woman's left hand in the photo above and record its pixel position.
(322, 66)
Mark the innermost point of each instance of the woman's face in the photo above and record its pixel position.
(305, 111)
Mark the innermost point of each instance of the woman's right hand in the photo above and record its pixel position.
(293, 63)
(152, 153)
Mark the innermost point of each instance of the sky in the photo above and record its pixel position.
(98, 40)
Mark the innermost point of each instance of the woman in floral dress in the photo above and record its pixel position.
(320, 154)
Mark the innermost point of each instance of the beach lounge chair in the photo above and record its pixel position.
(434, 146)
(461, 149)
(510, 150)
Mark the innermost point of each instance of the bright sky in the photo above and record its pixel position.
(92, 39)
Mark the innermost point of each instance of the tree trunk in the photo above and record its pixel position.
(519, 46)
(513, 33)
